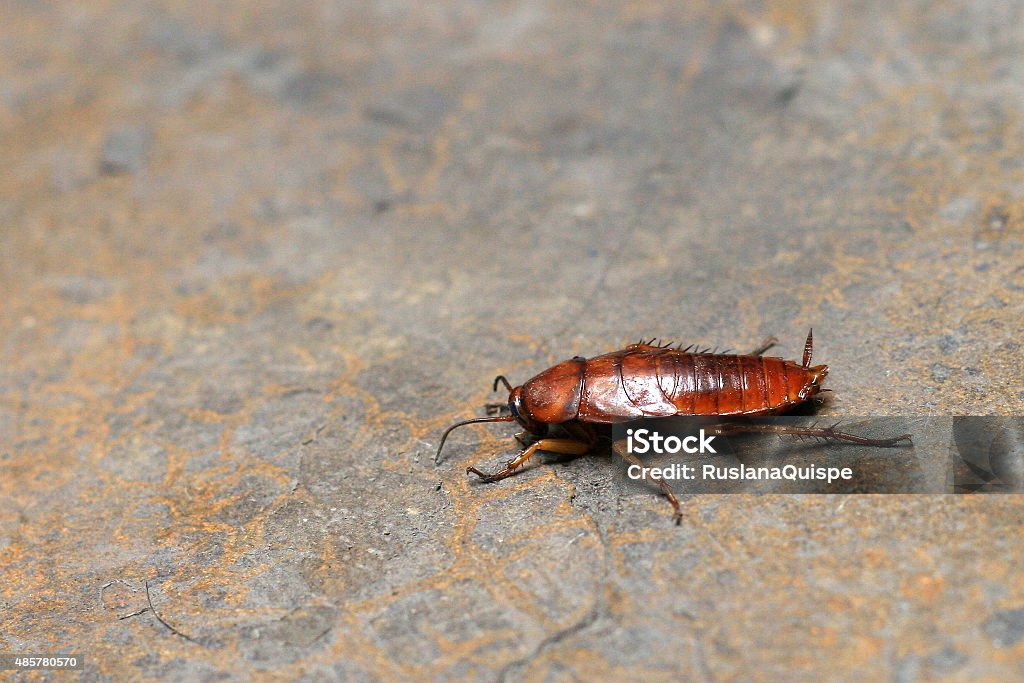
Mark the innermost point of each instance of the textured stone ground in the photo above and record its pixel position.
(254, 260)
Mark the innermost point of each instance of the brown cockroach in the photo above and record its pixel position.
(651, 380)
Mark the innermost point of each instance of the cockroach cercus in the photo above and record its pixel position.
(651, 380)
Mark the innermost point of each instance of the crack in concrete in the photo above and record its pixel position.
(585, 622)
(598, 286)
(592, 616)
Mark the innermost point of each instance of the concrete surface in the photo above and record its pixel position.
(255, 258)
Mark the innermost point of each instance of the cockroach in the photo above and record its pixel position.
(648, 379)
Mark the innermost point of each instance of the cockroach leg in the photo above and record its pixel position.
(620, 448)
(582, 431)
(768, 343)
(727, 428)
(564, 446)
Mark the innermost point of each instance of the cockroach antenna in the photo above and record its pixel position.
(503, 380)
(475, 420)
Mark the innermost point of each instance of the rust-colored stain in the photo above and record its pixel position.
(255, 259)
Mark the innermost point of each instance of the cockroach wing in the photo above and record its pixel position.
(623, 385)
(642, 383)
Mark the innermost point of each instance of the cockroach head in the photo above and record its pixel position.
(516, 409)
(521, 414)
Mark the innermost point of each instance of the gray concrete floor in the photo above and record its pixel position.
(255, 260)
